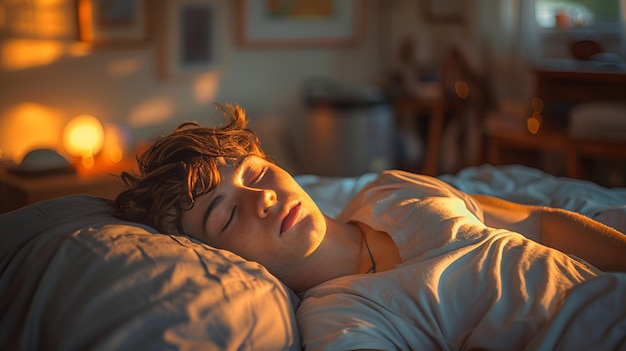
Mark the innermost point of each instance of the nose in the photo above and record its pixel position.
(266, 199)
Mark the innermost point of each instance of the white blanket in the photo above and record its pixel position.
(514, 183)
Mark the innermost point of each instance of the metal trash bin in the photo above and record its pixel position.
(349, 130)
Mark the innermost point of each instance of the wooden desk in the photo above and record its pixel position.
(499, 142)
(580, 149)
(561, 85)
(503, 144)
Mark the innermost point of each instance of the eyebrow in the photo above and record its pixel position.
(219, 198)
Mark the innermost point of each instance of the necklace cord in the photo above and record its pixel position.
(367, 246)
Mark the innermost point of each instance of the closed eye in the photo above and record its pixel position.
(259, 176)
(230, 218)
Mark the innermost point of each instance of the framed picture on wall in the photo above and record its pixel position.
(444, 10)
(298, 23)
(113, 22)
(188, 38)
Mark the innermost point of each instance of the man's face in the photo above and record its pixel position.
(260, 213)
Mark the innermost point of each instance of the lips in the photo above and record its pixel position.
(292, 217)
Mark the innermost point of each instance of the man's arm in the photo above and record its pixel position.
(566, 231)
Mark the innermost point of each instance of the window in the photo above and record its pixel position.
(564, 14)
(548, 28)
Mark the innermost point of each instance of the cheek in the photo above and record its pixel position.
(242, 243)
(252, 247)
(237, 246)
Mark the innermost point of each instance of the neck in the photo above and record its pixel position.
(341, 252)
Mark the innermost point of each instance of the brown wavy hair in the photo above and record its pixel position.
(179, 167)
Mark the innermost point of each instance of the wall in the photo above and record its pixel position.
(55, 78)
(47, 77)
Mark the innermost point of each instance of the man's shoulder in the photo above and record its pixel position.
(399, 179)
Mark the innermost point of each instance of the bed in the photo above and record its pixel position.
(72, 276)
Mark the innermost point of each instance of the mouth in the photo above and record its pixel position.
(291, 218)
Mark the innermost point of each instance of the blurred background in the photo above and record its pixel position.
(335, 88)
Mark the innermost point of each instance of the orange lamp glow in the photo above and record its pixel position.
(83, 136)
(115, 142)
(533, 123)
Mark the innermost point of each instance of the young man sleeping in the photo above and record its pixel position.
(410, 263)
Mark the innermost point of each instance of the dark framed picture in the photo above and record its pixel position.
(113, 22)
(189, 41)
(298, 23)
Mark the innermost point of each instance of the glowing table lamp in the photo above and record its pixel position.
(83, 137)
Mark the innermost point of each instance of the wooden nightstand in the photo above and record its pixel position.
(18, 190)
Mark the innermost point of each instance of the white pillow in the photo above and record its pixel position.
(74, 277)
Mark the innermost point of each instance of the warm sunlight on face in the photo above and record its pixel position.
(260, 213)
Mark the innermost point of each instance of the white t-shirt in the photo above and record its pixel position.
(461, 284)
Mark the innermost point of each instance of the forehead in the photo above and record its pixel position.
(225, 167)
(191, 219)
